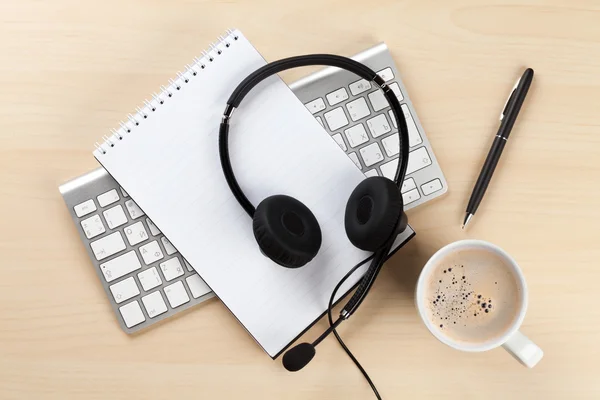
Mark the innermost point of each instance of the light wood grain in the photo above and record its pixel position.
(70, 70)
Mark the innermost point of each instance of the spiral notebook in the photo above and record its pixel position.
(166, 158)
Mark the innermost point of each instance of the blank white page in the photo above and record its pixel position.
(170, 165)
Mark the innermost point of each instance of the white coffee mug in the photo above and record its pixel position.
(513, 341)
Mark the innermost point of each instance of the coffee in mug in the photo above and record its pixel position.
(472, 296)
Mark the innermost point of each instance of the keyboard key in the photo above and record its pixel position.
(378, 100)
(108, 198)
(136, 233)
(336, 118)
(358, 109)
(134, 210)
(356, 135)
(93, 226)
(151, 252)
(176, 294)
(187, 265)
(391, 144)
(336, 97)
(108, 245)
(413, 133)
(340, 141)
(120, 266)
(85, 208)
(371, 154)
(320, 120)
(197, 286)
(359, 87)
(431, 187)
(149, 278)
(123, 192)
(124, 290)
(115, 216)
(396, 89)
(408, 184)
(378, 125)
(171, 269)
(354, 158)
(154, 304)
(410, 196)
(316, 105)
(132, 314)
(386, 74)
(153, 229)
(371, 172)
(169, 248)
(418, 159)
(389, 169)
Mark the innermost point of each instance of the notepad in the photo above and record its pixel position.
(166, 158)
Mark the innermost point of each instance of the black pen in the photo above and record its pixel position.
(507, 120)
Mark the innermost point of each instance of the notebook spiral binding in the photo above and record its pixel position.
(150, 106)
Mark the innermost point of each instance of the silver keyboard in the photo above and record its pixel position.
(146, 279)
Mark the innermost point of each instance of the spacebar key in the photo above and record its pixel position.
(108, 245)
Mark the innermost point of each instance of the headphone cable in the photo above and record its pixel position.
(337, 336)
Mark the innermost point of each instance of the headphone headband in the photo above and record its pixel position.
(276, 67)
(301, 61)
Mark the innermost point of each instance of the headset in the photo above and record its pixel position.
(288, 233)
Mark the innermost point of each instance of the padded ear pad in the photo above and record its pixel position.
(286, 231)
(372, 213)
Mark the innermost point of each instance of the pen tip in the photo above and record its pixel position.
(467, 219)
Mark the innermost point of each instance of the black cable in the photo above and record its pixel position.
(337, 336)
(379, 258)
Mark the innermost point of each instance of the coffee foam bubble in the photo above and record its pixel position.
(472, 296)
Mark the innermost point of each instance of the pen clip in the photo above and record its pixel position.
(508, 99)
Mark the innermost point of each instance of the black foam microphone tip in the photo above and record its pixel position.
(297, 357)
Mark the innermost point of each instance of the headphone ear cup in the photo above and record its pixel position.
(287, 232)
(373, 213)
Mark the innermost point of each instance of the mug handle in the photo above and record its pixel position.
(523, 349)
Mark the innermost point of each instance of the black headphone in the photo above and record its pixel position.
(288, 233)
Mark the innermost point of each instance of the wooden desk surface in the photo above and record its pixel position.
(70, 70)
